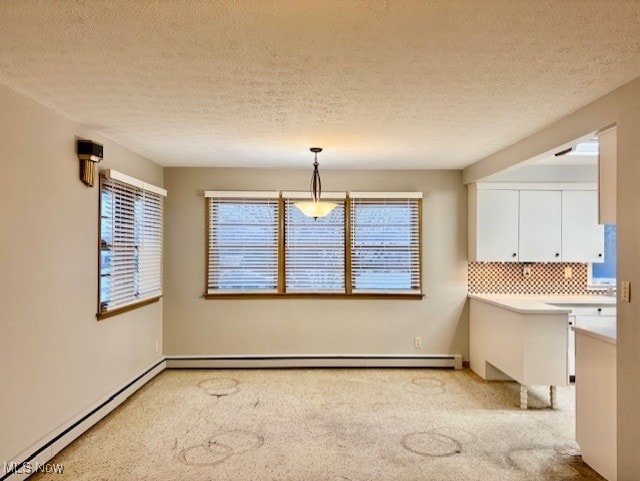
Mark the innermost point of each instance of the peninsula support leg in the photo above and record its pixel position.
(553, 396)
(523, 396)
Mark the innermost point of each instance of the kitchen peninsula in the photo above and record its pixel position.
(526, 338)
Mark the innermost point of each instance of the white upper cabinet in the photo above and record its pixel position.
(495, 226)
(582, 237)
(534, 225)
(540, 226)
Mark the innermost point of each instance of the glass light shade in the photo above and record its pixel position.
(316, 209)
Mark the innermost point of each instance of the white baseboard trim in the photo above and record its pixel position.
(46, 448)
(452, 361)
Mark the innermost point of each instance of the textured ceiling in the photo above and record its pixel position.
(378, 84)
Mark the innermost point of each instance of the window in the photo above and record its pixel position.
(385, 242)
(260, 243)
(130, 243)
(314, 249)
(243, 242)
(603, 274)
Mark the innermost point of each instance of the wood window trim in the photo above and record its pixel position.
(335, 245)
(347, 247)
(282, 292)
(142, 189)
(367, 202)
(130, 307)
(420, 243)
(315, 295)
(209, 202)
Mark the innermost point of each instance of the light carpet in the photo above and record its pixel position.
(330, 424)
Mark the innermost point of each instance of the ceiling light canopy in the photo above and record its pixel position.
(315, 208)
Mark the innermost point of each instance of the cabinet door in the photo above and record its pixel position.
(596, 322)
(540, 225)
(497, 226)
(582, 237)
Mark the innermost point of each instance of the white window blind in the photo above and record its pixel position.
(243, 242)
(130, 243)
(315, 249)
(385, 242)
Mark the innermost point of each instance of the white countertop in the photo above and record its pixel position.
(542, 304)
(605, 334)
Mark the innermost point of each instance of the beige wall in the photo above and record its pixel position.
(56, 359)
(622, 106)
(195, 326)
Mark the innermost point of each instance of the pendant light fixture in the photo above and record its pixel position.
(315, 208)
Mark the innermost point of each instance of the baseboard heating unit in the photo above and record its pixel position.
(22, 465)
(37, 456)
(451, 361)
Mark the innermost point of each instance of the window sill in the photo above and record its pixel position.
(314, 295)
(130, 307)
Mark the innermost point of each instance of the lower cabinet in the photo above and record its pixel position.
(596, 399)
(586, 318)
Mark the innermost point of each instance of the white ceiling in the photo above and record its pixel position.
(378, 84)
(568, 160)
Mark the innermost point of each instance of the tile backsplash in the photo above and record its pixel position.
(544, 278)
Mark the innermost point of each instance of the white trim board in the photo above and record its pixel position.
(385, 195)
(452, 361)
(132, 181)
(307, 195)
(48, 446)
(536, 185)
(242, 194)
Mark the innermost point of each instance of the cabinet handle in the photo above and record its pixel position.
(514, 254)
(557, 254)
(599, 309)
(600, 255)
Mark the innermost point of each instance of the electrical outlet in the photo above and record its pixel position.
(625, 291)
(417, 342)
(568, 272)
(526, 271)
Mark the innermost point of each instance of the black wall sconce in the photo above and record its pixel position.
(89, 153)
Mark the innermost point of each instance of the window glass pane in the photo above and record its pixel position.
(604, 273)
(105, 293)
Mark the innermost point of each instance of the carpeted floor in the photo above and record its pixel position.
(329, 424)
